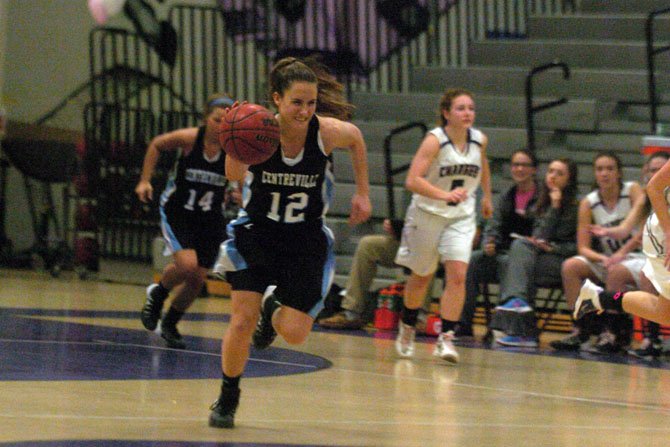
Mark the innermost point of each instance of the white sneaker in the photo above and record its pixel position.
(404, 342)
(587, 300)
(444, 348)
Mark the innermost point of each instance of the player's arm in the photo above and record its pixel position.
(181, 138)
(487, 200)
(342, 134)
(584, 220)
(656, 193)
(235, 169)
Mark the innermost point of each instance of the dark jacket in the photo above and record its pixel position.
(559, 226)
(505, 220)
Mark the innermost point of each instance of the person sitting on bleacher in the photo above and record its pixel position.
(538, 256)
(510, 216)
(373, 250)
(613, 262)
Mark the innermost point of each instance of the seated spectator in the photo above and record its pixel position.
(510, 215)
(612, 262)
(539, 255)
(373, 250)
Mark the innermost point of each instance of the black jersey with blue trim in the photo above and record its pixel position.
(291, 190)
(196, 185)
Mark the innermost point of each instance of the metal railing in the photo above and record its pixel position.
(531, 109)
(389, 169)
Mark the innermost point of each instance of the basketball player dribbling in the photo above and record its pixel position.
(279, 238)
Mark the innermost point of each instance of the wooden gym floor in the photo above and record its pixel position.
(77, 369)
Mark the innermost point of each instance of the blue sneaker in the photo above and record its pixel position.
(515, 305)
(518, 341)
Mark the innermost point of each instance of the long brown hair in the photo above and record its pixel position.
(330, 97)
(569, 193)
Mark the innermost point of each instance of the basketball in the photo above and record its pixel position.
(249, 133)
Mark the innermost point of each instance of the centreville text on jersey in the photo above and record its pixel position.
(207, 177)
(290, 179)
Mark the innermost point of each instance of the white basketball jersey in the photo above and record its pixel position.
(653, 239)
(452, 169)
(605, 217)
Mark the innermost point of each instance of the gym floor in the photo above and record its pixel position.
(78, 369)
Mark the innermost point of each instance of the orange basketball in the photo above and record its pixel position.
(249, 133)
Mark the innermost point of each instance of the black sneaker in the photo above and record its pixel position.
(461, 331)
(223, 410)
(265, 334)
(573, 342)
(151, 312)
(648, 350)
(172, 336)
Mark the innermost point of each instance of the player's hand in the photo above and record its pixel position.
(361, 208)
(457, 195)
(613, 260)
(144, 191)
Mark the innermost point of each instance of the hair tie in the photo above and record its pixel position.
(222, 101)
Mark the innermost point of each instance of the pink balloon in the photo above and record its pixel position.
(102, 10)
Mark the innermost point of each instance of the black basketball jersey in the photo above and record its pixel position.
(291, 191)
(195, 188)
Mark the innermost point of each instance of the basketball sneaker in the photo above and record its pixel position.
(649, 349)
(572, 342)
(444, 348)
(265, 334)
(587, 300)
(404, 342)
(151, 312)
(171, 335)
(223, 410)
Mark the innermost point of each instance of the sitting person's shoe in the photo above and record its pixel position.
(649, 349)
(463, 330)
(518, 341)
(515, 305)
(172, 337)
(572, 342)
(404, 342)
(444, 348)
(588, 300)
(265, 333)
(342, 320)
(223, 410)
(606, 344)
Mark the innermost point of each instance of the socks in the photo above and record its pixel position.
(409, 316)
(230, 382)
(172, 317)
(611, 300)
